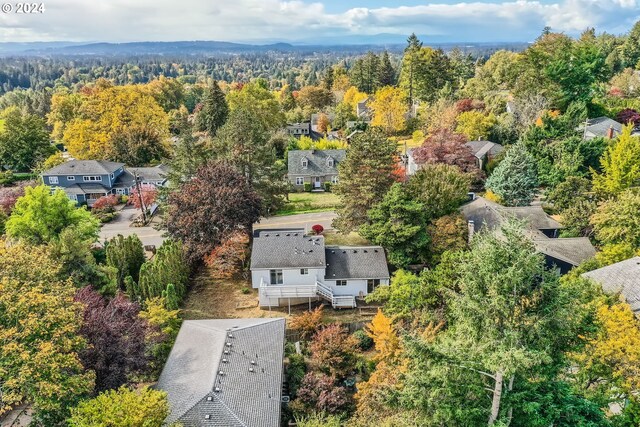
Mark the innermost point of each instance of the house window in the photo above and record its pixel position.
(299, 180)
(334, 179)
(92, 178)
(304, 271)
(304, 163)
(341, 283)
(372, 284)
(330, 163)
(120, 191)
(71, 178)
(276, 277)
(53, 180)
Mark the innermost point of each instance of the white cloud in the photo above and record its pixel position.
(125, 20)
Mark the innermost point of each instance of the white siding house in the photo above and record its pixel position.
(289, 267)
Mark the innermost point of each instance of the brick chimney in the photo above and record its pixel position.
(610, 132)
(471, 229)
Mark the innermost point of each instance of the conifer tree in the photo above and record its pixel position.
(214, 110)
(386, 72)
(171, 299)
(515, 179)
(126, 254)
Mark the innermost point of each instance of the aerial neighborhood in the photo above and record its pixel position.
(229, 235)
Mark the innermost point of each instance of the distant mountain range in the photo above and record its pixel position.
(333, 44)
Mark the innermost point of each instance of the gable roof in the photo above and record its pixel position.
(622, 277)
(85, 167)
(600, 126)
(316, 161)
(154, 173)
(287, 249)
(348, 262)
(482, 148)
(487, 214)
(236, 397)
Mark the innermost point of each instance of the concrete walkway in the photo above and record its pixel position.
(120, 225)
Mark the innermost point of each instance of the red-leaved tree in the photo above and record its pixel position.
(317, 229)
(333, 351)
(149, 195)
(445, 146)
(229, 258)
(115, 335)
(105, 203)
(320, 393)
(627, 116)
(9, 195)
(217, 202)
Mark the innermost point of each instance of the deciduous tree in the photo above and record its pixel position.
(24, 141)
(333, 351)
(441, 188)
(216, 202)
(389, 107)
(307, 323)
(617, 221)
(620, 165)
(229, 258)
(445, 146)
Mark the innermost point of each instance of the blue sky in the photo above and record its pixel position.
(309, 20)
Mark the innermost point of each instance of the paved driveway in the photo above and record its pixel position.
(305, 221)
(120, 225)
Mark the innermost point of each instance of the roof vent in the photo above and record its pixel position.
(375, 250)
(333, 252)
(217, 389)
(220, 372)
(295, 234)
(277, 234)
(251, 370)
(344, 252)
(230, 335)
(225, 361)
(266, 235)
(310, 250)
(253, 362)
(288, 234)
(226, 352)
(355, 252)
(207, 417)
(365, 251)
(209, 398)
(228, 344)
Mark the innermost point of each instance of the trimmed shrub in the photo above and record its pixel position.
(307, 186)
(317, 229)
(327, 186)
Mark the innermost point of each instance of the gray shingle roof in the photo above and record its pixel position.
(600, 126)
(199, 395)
(485, 213)
(573, 250)
(317, 163)
(482, 148)
(155, 173)
(84, 167)
(347, 262)
(622, 277)
(287, 249)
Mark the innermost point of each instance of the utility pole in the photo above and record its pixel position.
(140, 198)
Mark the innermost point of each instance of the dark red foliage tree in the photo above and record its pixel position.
(445, 146)
(9, 195)
(205, 210)
(149, 195)
(106, 203)
(627, 116)
(468, 104)
(115, 336)
(317, 229)
(319, 391)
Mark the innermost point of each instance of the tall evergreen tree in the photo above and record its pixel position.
(386, 72)
(169, 266)
(410, 63)
(214, 110)
(126, 254)
(515, 179)
(365, 175)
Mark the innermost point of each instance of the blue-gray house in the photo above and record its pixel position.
(85, 181)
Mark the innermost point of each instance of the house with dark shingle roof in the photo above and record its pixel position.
(314, 167)
(623, 278)
(484, 151)
(85, 181)
(601, 127)
(225, 373)
(303, 129)
(560, 253)
(291, 267)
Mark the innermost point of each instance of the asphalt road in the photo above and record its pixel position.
(120, 225)
(305, 221)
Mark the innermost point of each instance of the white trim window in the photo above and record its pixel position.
(299, 180)
(334, 179)
(53, 180)
(341, 283)
(305, 163)
(71, 178)
(92, 178)
(304, 271)
(275, 277)
(330, 162)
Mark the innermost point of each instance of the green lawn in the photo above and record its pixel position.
(309, 202)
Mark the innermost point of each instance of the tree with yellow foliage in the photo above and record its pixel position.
(389, 107)
(40, 336)
(384, 337)
(475, 124)
(620, 165)
(122, 123)
(352, 96)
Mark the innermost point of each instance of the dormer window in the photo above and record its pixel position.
(305, 163)
(330, 162)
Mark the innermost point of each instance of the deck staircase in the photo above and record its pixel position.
(337, 301)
